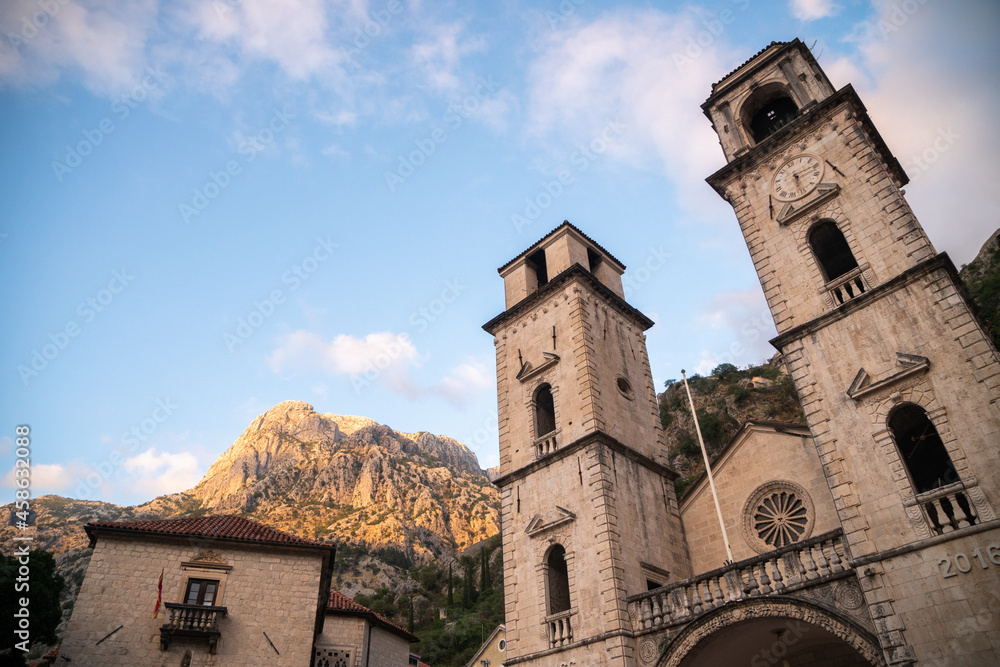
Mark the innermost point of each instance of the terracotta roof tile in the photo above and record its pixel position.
(223, 527)
(565, 223)
(340, 602)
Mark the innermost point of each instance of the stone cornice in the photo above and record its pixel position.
(805, 123)
(938, 262)
(598, 437)
(551, 287)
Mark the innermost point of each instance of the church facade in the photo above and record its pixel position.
(868, 535)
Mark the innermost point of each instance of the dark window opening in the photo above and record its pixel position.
(921, 448)
(593, 260)
(771, 117)
(558, 580)
(545, 411)
(832, 252)
(536, 261)
(201, 592)
(652, 584)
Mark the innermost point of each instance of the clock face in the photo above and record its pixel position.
(797, 177)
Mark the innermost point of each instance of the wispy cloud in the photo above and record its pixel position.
(440, 52)
(810, 10)
(385, 358)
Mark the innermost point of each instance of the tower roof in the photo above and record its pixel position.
(340, 603)
(565, 224)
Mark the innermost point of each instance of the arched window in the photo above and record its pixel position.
(832, 252)
(557, 576)
(769, 108)
(921, 448)
(545, 411)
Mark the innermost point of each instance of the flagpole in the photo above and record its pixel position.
(708, 469)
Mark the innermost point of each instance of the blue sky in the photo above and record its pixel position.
(214, 206)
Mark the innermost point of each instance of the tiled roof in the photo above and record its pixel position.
(747, 62)
(340, 602)
(222, 527)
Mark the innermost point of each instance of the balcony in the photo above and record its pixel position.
(560, 630)
(947, 508)
(189, 620)
(848, 286)
(546, 444)
(781, 571)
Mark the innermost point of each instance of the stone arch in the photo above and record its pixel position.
(930, 465)
(531, 402)
(773, 96)
(688, 640)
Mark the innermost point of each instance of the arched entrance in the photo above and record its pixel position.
(783, 632)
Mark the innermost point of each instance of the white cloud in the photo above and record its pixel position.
(291, 33)
(439, 55)
(384, 358)
(646, 69)
(744, 322)
(810, 10)
(102, 44)
(153, 474)
(62, 479)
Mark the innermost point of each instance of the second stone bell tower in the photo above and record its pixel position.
(588, 506)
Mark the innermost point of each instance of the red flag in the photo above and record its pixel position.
(159, 594)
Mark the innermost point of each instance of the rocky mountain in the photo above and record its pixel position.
(982, 278)
(392, 500)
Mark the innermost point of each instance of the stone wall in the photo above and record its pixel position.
(759, 456)
(267, 589)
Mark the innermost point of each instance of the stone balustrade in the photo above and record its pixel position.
(546, 444)
(795, 566)
(560, 628)
(191, 620)
(848, 286)
(948, 508)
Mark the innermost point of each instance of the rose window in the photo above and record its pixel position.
(777, 514)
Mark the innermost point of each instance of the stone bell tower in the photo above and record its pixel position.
(588, 505)
(899, 382)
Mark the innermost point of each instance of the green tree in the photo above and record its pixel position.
(451, 597)
(724, 372)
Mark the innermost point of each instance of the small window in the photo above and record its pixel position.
(502, 645)
(652, 584)
(625, 388)
(921, 449)
(201, 592)
(832, 252)
(545, 411)
(558, 580)
(593, 260)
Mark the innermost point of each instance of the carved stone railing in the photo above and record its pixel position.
(546, 444)
(560, 628)
(852, 284)
(191, 620)
(793, 567)
(947, 508)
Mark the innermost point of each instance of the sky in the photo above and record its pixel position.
(213, 206)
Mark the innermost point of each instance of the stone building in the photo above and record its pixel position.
(227, 591)
(867, 536)
(493, 652)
